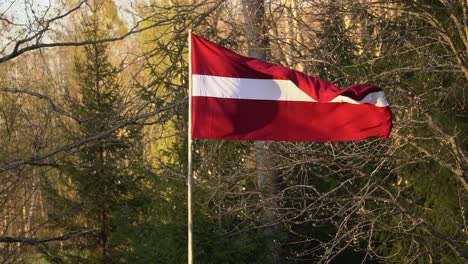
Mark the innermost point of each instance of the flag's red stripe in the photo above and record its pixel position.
(209, 58)
(221, 118)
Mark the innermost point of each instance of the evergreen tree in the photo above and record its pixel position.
(102, 181)
(431, 134)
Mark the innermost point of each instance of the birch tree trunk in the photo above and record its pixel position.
(267, 177)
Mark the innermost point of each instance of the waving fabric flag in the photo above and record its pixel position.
(240, 98)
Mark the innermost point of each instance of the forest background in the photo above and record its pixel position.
(93, 135)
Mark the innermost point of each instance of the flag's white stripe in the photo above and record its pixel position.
(242, 88)
(266, 89)
(375, 98)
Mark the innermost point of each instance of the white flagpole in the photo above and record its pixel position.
(189, 160)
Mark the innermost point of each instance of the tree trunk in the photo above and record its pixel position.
(267, 178)
(292, 31)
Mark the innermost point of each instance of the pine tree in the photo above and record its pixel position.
(104, 177)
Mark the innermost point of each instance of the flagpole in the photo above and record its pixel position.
(189, 157)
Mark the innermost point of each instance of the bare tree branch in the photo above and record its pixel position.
(34, 160)
(42, 96)
(35, 241)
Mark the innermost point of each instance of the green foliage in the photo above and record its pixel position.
(104, 184)
(429, 190)
(215, 246)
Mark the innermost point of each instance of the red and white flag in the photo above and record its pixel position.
(240, 98)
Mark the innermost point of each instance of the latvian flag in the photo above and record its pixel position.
(240, 98)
